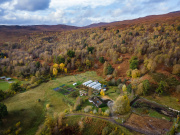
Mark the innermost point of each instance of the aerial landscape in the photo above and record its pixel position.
(89, 68)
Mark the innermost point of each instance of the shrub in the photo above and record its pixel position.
(135, 73)
(129, 72)
(105, 131)
(90, 49)
(87, 109)
(146, 86)
(178, 28)
(115, 73)
(120, 86)
(129, 88)
(110, 69)
(118, 81)
(71, 53)
(60, 60)
(16, 87)
(176, 69)
(161, 87)
(121, 105)
(81, 125)
(94, 111)
(3, 111)
(48, 106)
(33, 79)
(140, 89)
(107, 112)
(133, 62)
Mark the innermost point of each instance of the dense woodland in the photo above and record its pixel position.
(154, 44)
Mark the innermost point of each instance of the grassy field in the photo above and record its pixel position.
(94, 126)
(24, 107)
(4, 85)
(166, 100)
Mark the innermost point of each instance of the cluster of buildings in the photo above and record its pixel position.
(94, 85)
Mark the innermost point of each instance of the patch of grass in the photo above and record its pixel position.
(166, 101)
(111, 92)
(4, 85)
(155, 114)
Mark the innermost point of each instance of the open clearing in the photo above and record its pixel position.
(148, 124)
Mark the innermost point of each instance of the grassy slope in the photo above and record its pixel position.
(166, 100)
(24, 107)
(95, 126)
(4, 85)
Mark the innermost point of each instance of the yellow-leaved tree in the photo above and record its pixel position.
(55, 66)
(61, 66)
(102, 92)
(55, 71)
(124, 88)
(121, 105)
(65, 70)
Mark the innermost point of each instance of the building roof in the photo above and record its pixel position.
(8, 79)
(2, 77)
(97, 101)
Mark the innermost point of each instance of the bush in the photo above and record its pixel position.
(48, 106)
(129, 88)
(110, 69)
(118, 81)
(101, 59)
(129, 72)
(146, 86)
(87, 109)
(133, 62)
(121, 105)
(135, 73)
(140, 89)
(71, 53)
(120, 86)
(33, 79)
(178, 28)
(60, 60)
(107, 112)
(176, 69)
(3, 111)
(94, 111)
(16, 87)
(105, 131)
(90, 49)
(161, 87)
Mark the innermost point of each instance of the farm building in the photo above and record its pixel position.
(94, 85)
(3, 77)
(8, 79)
(97, 101)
